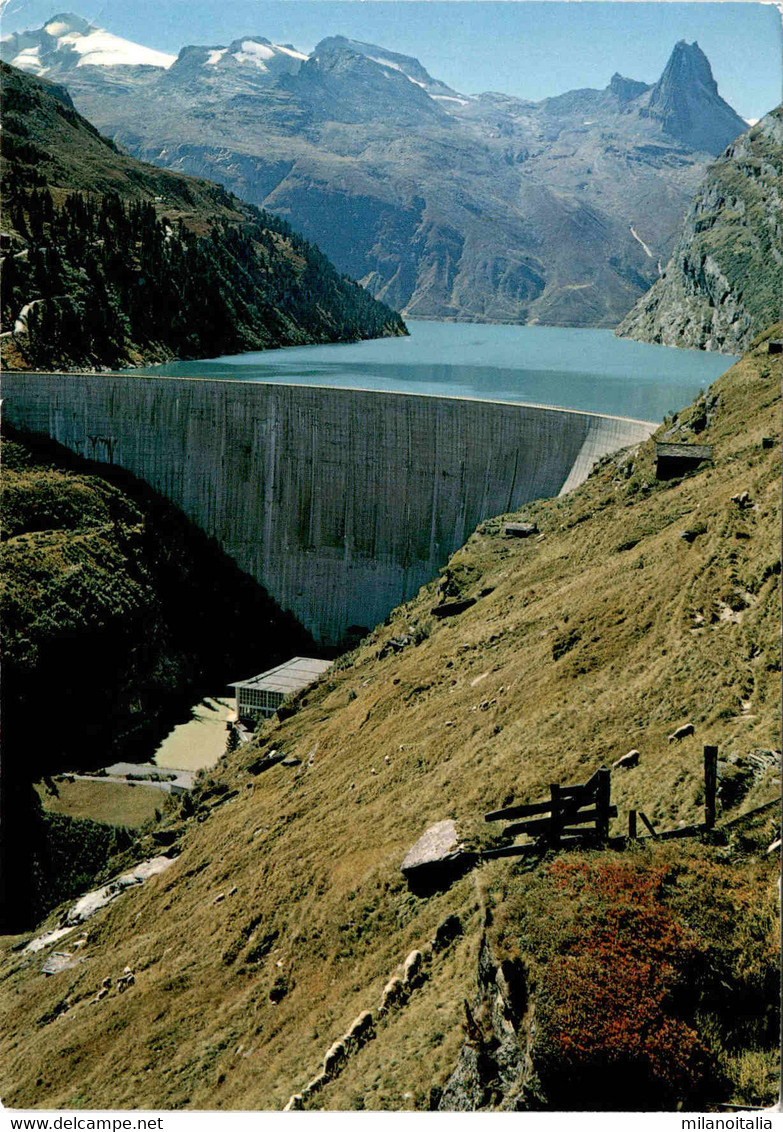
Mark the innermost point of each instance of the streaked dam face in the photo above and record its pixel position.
(340, 502)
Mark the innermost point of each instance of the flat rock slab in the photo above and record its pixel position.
(438, 846)
(520, 530)
(60, 961)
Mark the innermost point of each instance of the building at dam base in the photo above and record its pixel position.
(340, 502)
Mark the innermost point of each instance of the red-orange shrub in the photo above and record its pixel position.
(609, 1031)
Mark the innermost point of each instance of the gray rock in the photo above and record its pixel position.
(469, 1089)
(438, 846)
(520, 530)
(59, 961)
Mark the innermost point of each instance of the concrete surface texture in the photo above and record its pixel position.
(341, 502)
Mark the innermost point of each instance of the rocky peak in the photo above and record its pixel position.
(359, 87)
(66, 23)
(625, 90)
(686, 102)
(688, 66)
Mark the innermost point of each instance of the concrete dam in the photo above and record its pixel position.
(340, 502)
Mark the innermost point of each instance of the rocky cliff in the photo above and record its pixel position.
(722, 283)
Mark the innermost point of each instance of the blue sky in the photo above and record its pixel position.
(528, 48)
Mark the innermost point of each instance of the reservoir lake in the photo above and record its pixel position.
(568, 368)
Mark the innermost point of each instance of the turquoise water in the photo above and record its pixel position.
(542, 365)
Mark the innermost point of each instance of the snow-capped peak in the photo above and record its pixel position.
(259, 51)
(69, 40)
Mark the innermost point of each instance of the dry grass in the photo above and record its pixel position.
(315, 851)
(108, 802)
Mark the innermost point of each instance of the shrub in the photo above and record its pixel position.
(609, 1017)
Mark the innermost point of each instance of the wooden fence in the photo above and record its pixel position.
(572, 816)
(578, 816)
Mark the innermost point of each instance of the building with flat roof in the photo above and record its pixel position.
(262, 695)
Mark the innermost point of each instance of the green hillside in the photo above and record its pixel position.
(633, 979)
(108, 261)
(722, 285)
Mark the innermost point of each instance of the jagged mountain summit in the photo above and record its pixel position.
(444, 205)
(686, 102)
(722, 285)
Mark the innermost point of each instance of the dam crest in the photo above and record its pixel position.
(341, 502)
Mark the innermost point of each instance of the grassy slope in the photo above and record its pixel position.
(109, 802)
(478, 713)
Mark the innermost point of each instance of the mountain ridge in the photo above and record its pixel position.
(488, 208)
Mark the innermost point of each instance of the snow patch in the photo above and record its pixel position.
(386, 63)
(102, 49)
(214, 57)
(396, 67)
(29, 60)
(57, 28)
(256, 53)
(449, 98)
(290, 51)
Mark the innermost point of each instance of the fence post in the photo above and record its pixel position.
(710, 784)
(632, 825)
(603, 798)
(557, 821)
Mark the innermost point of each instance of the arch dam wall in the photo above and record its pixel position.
(341, 502)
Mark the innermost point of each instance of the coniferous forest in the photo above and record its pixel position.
(146, 266)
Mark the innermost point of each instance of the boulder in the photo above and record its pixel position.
(520, 530)
(438, 846)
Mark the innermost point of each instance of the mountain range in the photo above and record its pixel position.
(444, 205)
